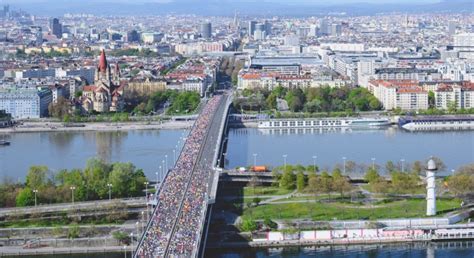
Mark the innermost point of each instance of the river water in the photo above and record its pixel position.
(455, 148)
(67, 150)
(422, 250)
(405, 250)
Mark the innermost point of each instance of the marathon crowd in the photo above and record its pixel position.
(184, 186)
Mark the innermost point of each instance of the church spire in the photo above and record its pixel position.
(102, 62)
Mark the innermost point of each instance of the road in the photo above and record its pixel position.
(61, 207)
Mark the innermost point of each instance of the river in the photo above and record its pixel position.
(67, 150)
(459, 249)
(455, 148)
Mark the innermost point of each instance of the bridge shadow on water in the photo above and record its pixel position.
(228, 207)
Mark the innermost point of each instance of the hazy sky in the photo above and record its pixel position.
(325, 2)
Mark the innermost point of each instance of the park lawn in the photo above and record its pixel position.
(265, 190)
(343, 211)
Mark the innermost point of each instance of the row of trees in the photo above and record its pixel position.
(311, 100)
(92, 183)
(181, 102)
(305, 179)
(231, 67)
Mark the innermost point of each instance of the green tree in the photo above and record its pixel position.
(340, 183)
(300, 181)
(287, 181)
(25, 198)
(326, 184)
(389, 166)
(371, 175)
(37, 177)
(248, 225)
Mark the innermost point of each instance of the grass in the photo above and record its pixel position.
(344, 211)
(265, 190)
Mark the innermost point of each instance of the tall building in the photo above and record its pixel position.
(324, 27)
(206, 30)
(251, 28)
(133, 36)
(336, 29)
(56, 28)
(259, 33)
(452, 28)
(268, 28)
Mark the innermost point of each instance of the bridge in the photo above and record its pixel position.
(184, 200)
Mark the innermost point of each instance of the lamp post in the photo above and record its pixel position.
(131, 242)
(125, 251)
(35, 191)
(344, 164)
(146, 198)
(72, 193)
(403, 165)
(137, 224)
(373, 163)
(284, 160)
(174, 156)
(110, 191)
(255, 159)
(157, 179)
(314, 163)
(163, 165)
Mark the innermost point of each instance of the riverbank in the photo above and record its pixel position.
(20, 251)
(28, 127)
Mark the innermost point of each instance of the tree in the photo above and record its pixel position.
(287, 181)
(389, 166)
(326, 183)
(372, 175)
(59, 109)
(300, 181)
(254, 182)
(25, 197)
(248, 225)
(462, 183)
(37, 177)
(340, 183)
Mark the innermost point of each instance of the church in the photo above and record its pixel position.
(106, 95)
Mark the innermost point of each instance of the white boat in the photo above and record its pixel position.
(324, 122)
(428, 123)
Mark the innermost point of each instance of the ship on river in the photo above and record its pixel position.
(430, 123)
(323, 122)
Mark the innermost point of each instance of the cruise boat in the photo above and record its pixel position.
(324, 122)
(427, 123)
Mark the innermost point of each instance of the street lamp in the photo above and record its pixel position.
(284, 160)
(163, 164)
(373, 163)
(314, 163)
(72, 193)
(137, 224)
(157, 179)
(174, 156)
(125, 251)
(35, 191)
(403, 165)
(131, 242)
(255, 159)
(344, 166)
(110, 191)
(146, 198)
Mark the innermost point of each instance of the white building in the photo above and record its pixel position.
(405, 95)
(25, 103)
(462, 95)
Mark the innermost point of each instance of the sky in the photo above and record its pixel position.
(322, 2)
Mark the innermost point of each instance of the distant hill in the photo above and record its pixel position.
(227, 7)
